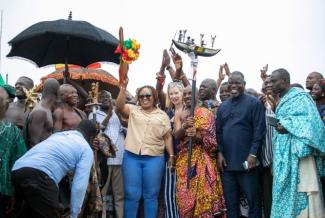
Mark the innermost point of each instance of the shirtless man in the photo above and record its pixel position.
(16, 110)
(67, 116)
(40, 120)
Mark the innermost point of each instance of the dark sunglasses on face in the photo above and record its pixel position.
(144, 96)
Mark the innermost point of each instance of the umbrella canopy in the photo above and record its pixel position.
(64, 41)
(84, 77)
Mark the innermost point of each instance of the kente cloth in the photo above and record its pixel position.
(204, 198)
(298, 114)
(12, 147)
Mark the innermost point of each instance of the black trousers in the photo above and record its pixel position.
(267, 181)
(248, 182)
(37, 194)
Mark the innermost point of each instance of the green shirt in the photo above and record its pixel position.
(12, 147)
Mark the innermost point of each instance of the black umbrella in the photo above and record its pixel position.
(64, 41)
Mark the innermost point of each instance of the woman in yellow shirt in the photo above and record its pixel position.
(148, 135)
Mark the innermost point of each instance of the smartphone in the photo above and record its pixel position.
(272, 121)
(245, 164)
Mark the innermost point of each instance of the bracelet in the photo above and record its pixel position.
(160, 76)
(171, 155)
(122, 87)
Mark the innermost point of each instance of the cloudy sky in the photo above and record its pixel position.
(288, 34)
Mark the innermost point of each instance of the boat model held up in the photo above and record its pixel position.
(189, 46)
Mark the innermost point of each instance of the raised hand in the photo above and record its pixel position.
(264, 72)
(221, 74)
(227, 70)
(165, 60)
(178, 62)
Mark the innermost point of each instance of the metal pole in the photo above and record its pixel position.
(190, 144)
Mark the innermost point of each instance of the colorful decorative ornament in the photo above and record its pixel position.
(129, 52)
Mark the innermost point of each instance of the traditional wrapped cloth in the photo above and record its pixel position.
(205, 196)
(298, 158)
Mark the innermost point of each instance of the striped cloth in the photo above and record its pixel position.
(267, 149)
(170, 194)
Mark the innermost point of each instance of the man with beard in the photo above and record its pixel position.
(39, 124)
(207, 95)
(111, 124)
(240, 133)
(313, 78)
(16, 110)
(298, 145)
(68, 116)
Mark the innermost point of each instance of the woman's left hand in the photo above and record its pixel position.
(171, 163)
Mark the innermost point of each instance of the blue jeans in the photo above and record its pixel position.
(142, 176)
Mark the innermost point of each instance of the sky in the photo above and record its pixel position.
(283, 34)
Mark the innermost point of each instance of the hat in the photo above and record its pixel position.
(10, 90)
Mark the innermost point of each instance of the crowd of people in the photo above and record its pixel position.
(252, 154)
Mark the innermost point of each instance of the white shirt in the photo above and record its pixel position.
(114, 132)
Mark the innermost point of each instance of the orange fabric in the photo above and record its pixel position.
(205, 197)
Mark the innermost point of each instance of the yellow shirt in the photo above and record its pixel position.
(146, 130)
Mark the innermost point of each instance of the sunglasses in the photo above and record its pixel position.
(144, 96)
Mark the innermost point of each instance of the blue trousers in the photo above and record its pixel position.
(142, 176)
(248, 182)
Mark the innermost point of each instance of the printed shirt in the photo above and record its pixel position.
(12, 146)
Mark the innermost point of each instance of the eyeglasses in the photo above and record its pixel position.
(144, 96)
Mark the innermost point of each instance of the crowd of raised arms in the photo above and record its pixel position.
(254, 153)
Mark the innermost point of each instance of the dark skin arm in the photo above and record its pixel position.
(124, 121)
(58, 119)
(179, 75)
(168, 139)
(161, 79)
(37, 121)
(121, 107)
(184, 129)
(108, 117)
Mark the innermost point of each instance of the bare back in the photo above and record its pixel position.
(40, 124)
